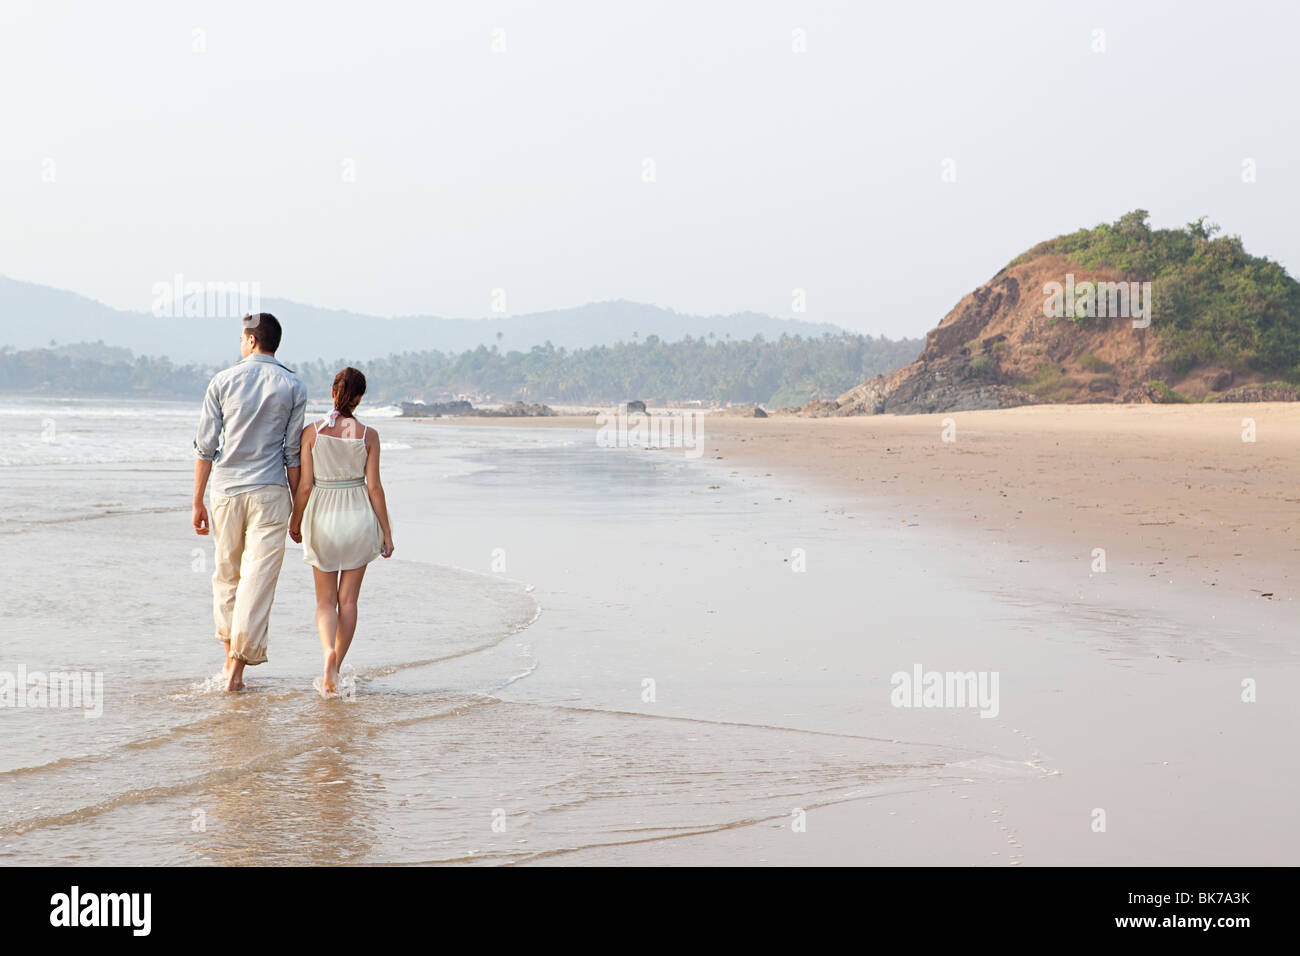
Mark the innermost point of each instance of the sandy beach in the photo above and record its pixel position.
(1181, 505)
(1165, 489)
(1127, 683)
(586, 654)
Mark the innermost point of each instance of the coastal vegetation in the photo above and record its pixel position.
(1215, 303)
(790, 370)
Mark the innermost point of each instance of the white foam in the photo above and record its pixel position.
(347, 687)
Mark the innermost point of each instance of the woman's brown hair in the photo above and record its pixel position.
(349, 386)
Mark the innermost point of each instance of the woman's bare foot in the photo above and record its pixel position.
(234, 674)
(330, 681)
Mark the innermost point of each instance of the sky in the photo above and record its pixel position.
(865, 164)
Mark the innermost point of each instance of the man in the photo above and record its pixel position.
(248, 442)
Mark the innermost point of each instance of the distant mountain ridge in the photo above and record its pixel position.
(32, 315)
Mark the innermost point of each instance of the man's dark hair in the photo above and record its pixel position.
(265, 330)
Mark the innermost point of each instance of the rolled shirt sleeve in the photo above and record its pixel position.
(293, 432)
(210, 425)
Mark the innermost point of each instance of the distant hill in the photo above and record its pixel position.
(1063, 323)
(33, 315)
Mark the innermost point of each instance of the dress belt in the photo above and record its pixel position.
(340, 483)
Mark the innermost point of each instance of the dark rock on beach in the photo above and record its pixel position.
(466, 410)
(518, 410)
(436, 410)
(1259, 393)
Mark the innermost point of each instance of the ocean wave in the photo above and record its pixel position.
(100, 411)
(367, 411)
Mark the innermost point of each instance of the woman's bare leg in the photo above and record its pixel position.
(327, 622)
(349, 591)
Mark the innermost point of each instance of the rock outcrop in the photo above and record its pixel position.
(998, 349)
(1258, 393)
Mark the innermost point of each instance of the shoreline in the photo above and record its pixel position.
(1122, 690)
(1163, 489)
(771, 689)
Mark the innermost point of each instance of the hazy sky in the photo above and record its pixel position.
(522, 167)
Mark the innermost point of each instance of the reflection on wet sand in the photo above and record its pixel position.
(306, 808)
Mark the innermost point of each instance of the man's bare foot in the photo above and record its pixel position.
(234, 674)
(330, 680)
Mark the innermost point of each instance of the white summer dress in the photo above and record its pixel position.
(339, 528)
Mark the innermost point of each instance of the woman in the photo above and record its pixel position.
(340, 517)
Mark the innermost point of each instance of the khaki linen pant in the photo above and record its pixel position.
(248, 531)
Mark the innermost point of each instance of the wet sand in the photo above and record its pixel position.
(679, 685)
(1163, 488)
(1121, 690)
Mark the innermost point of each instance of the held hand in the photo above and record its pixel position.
(387, 552)
(295, 533)
(200, 519)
